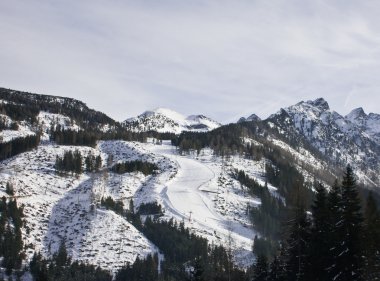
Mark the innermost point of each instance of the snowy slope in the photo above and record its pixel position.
(59, 209)
(203, 194)
(197, 190)
(48, 121)
(165, 120)
(7, 134)
(45, 122)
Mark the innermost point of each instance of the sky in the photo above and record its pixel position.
(224, 59)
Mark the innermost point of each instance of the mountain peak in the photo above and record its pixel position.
(321, 103)
(356, 113)
(252, 117)
(174, 115)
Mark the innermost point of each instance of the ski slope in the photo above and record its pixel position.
(192, 196)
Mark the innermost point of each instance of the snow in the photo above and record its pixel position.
(46, 120)
(171, 114)
(204, 196)
(58, 208)
(8, 135)
(166, 120)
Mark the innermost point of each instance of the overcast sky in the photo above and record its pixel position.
(225, 59)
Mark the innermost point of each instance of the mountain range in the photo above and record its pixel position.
(192, 169)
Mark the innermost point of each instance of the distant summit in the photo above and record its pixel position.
(165, 120)
(252, 117)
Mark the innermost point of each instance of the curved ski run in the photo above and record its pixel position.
(183, 198)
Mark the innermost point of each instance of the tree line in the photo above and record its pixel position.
(187, 257)
(61, 268)
(11, 246)
(18, 145)
(73, 162)
(133, 166)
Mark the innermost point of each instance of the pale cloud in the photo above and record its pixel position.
(221, 58)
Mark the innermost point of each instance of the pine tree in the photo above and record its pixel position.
(297, 248)
(98, 162)
(372, 240)
(334, 201)
(9, 189)
(319, 247)
(260, 271)
(61, 257)
(198, 272)
(349, 252)
(276, 270)
(77, 162)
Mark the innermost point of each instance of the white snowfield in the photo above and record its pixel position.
(65, 208)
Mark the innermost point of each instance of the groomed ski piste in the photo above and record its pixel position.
(203, 195)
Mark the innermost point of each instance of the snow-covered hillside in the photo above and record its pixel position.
(60, 209)
(168, 121)
(198, 190)
(45, 122)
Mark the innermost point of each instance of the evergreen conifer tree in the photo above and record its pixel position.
(334, 200)
(372, 240)
(260, 271)
(319, 247)
(61, 258)
(276, 270)
(297, 248)
(348, 254)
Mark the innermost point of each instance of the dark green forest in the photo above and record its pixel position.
(133, 166)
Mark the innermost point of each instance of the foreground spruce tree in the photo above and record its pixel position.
(260, 271)
(321, 230)
(297, 246)
(372, 240)
(348, 251)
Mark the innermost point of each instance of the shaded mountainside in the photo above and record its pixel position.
(23, 106)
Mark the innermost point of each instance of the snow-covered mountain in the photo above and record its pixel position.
(341, 139)
(199, 189)
(168, 121)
